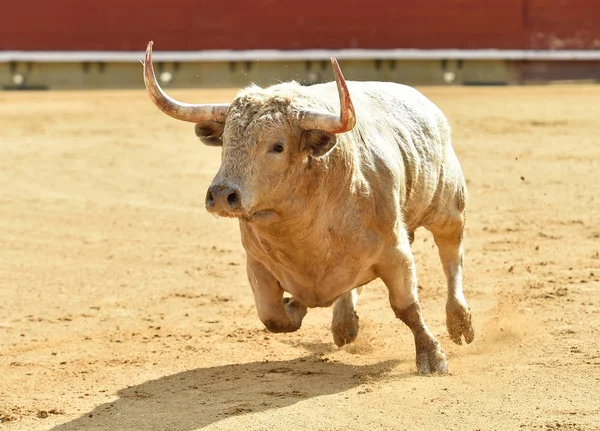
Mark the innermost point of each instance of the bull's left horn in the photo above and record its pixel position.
(179, 110)
(344, 122)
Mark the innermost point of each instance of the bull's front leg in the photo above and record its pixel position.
(278, 314)
(397, 271)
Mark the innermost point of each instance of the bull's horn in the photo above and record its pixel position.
(179, 110)
(344, 122)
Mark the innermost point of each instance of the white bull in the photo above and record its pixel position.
(329, 202)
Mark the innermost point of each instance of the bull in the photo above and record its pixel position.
(328, 190)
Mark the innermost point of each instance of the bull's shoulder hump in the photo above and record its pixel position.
(382, 98)
(388, 90)
(399, 98)
(368, 87)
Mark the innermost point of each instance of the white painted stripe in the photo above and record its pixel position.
(307, 55)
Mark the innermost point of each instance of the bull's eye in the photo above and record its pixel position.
(277, 148)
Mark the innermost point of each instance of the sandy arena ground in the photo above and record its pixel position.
(125, 306)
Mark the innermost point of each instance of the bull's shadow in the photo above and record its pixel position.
(193, 399)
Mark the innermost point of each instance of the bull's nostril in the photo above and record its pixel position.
(210, 199)
(232, 199)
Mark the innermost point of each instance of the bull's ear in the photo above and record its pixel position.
(210, 133)
(318, 142)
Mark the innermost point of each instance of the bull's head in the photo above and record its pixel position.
(267, 143)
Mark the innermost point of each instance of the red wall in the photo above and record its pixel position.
(563, 24)
(306, 24)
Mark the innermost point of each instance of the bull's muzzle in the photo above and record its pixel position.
(223, 200)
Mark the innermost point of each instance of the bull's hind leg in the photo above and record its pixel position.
(448, 237)
(344, 324)
(277, 313)
(397, 271)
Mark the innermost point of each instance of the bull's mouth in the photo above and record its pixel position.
(229, 214)
(250, 216)
(263, 215)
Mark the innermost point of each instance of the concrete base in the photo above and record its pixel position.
(215, 74)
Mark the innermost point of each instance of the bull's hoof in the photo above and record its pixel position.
(295, 313)
(294, 308)
(345, 331)
(458, 323)
(431, 359)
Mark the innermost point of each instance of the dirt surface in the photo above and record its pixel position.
(125, 306)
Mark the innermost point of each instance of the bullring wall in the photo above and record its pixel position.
(30, 30)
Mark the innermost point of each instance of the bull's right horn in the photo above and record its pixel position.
(332, 123)
(175, 109)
